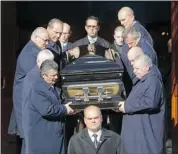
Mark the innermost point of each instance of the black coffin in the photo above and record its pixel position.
(92, 80)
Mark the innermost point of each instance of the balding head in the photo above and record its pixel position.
(40, 37)
(93, 118)
(66, 33)
(55, 27)
(126, 17)
(43, 55)
(118, 35)
(133, 53)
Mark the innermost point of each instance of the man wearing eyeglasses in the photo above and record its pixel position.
(92, 27)
(25, 62)
(54, 28)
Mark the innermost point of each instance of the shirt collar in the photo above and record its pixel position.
(63, 44)
(91, 39)
(98, 133)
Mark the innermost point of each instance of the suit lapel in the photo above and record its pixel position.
(87, 138)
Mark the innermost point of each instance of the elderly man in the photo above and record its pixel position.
(94, 139)
(55, 28)
(64, 39)
(34, 74)
(133, 38)
(92, 27)
(65, 44)
(127, 19)
(44, 113)
(25, 62)
(31, 77)
(143, 121)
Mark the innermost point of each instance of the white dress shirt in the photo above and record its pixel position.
(63, 45)
(97, 133)
(92, 40)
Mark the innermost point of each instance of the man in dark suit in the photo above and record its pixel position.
(144, 119)
(65, 44)
(64, 39)
(54, 28)
(31, 77)
(94, 139)
(25, 62)
(92, 27)
(127, 19)
(115, 117)
(44, 113)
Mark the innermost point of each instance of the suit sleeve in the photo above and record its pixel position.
(148, 99)
(71, 146)
(45, 106)
(120, 148)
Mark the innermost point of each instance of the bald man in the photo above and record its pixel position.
(127, 19)
(118, 39)
(25, 62)
(65, 44)
(95, 139)
(64, 39)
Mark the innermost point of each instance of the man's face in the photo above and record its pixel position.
(42, 40)
(131, 41)
(55, 31)
(93, 120)
(65, 34)
(139, 70)
(118, 37)
(51, 77)
(125, 19)
(92, 28)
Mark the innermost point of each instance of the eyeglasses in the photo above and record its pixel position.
(90, 26)
(52, 75)
(45, 40)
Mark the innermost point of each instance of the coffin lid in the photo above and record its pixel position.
(91, 64)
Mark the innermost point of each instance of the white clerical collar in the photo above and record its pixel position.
(91, 39)
(98, 133)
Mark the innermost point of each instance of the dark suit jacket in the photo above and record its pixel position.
(67, 47)
(43, 126)
(101, 45)
(55, 48)
(25, 62)
(64, 58)
(110, 143)
(143, 124)
(144, 33)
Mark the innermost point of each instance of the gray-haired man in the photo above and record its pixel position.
(44, 113)
(143, 122)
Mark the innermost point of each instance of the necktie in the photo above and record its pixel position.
(95, 140)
